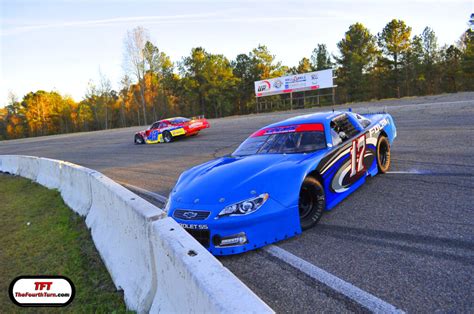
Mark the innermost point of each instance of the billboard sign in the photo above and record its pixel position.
(294, 83)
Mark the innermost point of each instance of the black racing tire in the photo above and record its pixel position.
(167, 137)
(383, 154)
(312, 202)
(139, 139)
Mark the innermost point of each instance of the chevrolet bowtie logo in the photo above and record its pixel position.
(189, 215)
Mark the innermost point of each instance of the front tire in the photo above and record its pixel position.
(167, 137)
(383, 154)
(139, 139)
(311, 203)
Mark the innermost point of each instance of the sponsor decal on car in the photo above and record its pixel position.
(283, 129)
(178, 132)
(194, 226)
(379, 126)
(195, 125)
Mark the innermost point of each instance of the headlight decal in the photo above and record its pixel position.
(244, 207)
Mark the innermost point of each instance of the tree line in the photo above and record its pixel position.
(391, 63)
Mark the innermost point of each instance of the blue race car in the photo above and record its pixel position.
(279, 181)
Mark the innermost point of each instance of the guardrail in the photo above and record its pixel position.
(157, 264)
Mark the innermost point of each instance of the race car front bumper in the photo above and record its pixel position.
(237, 234)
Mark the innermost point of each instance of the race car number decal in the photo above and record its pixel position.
(357, 155)
(153, 135)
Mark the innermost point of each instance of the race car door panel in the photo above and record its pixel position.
(344, 168)
(153, 134)
(152, 127)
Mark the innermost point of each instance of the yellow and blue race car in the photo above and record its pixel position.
(166, 130)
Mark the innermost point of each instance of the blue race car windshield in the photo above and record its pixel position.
(282, 143)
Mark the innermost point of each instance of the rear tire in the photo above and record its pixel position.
(139, 139)
(312, 202)
(383, 154)
(167, 137)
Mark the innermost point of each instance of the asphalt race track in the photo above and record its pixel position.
(406, 237)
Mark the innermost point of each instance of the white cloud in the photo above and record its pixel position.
(107, 22)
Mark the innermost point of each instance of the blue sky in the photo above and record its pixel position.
(61, 45)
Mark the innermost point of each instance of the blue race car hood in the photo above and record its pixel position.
(232, 179)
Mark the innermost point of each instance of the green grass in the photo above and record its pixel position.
(56, 242)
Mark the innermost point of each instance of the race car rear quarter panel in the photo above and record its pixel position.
(389, 126)
(335, 167)
(194, 126)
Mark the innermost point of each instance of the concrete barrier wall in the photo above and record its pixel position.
(49, 174)
(157, 264)
(191, 278)
(28, 167)
(9, 164)
(119, 221)
(75, 187)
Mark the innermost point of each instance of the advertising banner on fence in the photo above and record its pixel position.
(294, 83)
